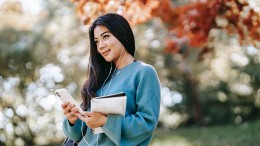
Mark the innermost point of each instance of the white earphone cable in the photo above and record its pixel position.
(104, 93)
(112, 75)
(106, 79)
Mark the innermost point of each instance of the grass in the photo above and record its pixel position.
(246, 134)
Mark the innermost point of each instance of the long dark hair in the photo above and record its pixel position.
(98, 68)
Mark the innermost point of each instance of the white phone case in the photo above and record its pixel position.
(65, 96)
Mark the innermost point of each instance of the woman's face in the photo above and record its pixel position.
(107, 44)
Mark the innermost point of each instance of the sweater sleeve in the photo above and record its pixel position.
(73, 132)
(139, 126)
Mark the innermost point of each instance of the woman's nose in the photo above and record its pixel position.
(101, 45)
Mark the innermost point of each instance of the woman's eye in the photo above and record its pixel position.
(105, 37)
(96, 42)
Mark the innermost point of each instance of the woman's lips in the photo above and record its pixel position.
(105, 53)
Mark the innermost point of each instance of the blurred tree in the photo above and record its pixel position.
(36, 55)
(188, 21)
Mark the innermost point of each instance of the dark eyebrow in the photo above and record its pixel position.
(103, 33)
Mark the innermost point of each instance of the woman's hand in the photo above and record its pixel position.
(93, 119)
(70, 112)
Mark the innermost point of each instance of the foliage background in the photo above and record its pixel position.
(44, 46)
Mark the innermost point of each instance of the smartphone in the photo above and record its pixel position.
(65, 96)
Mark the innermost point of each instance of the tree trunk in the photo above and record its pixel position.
(193, 99)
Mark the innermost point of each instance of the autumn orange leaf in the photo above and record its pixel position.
(191, 22)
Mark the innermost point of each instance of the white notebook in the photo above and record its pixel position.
(110, 104)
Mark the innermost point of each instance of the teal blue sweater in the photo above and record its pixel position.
(141, 84)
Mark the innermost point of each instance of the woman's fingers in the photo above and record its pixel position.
(70, 112)
(68, 108)
(81, 117)
(92, 119)
(64, 105)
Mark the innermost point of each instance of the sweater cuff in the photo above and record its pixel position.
(73, 132)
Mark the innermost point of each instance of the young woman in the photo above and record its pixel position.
(113, 69)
